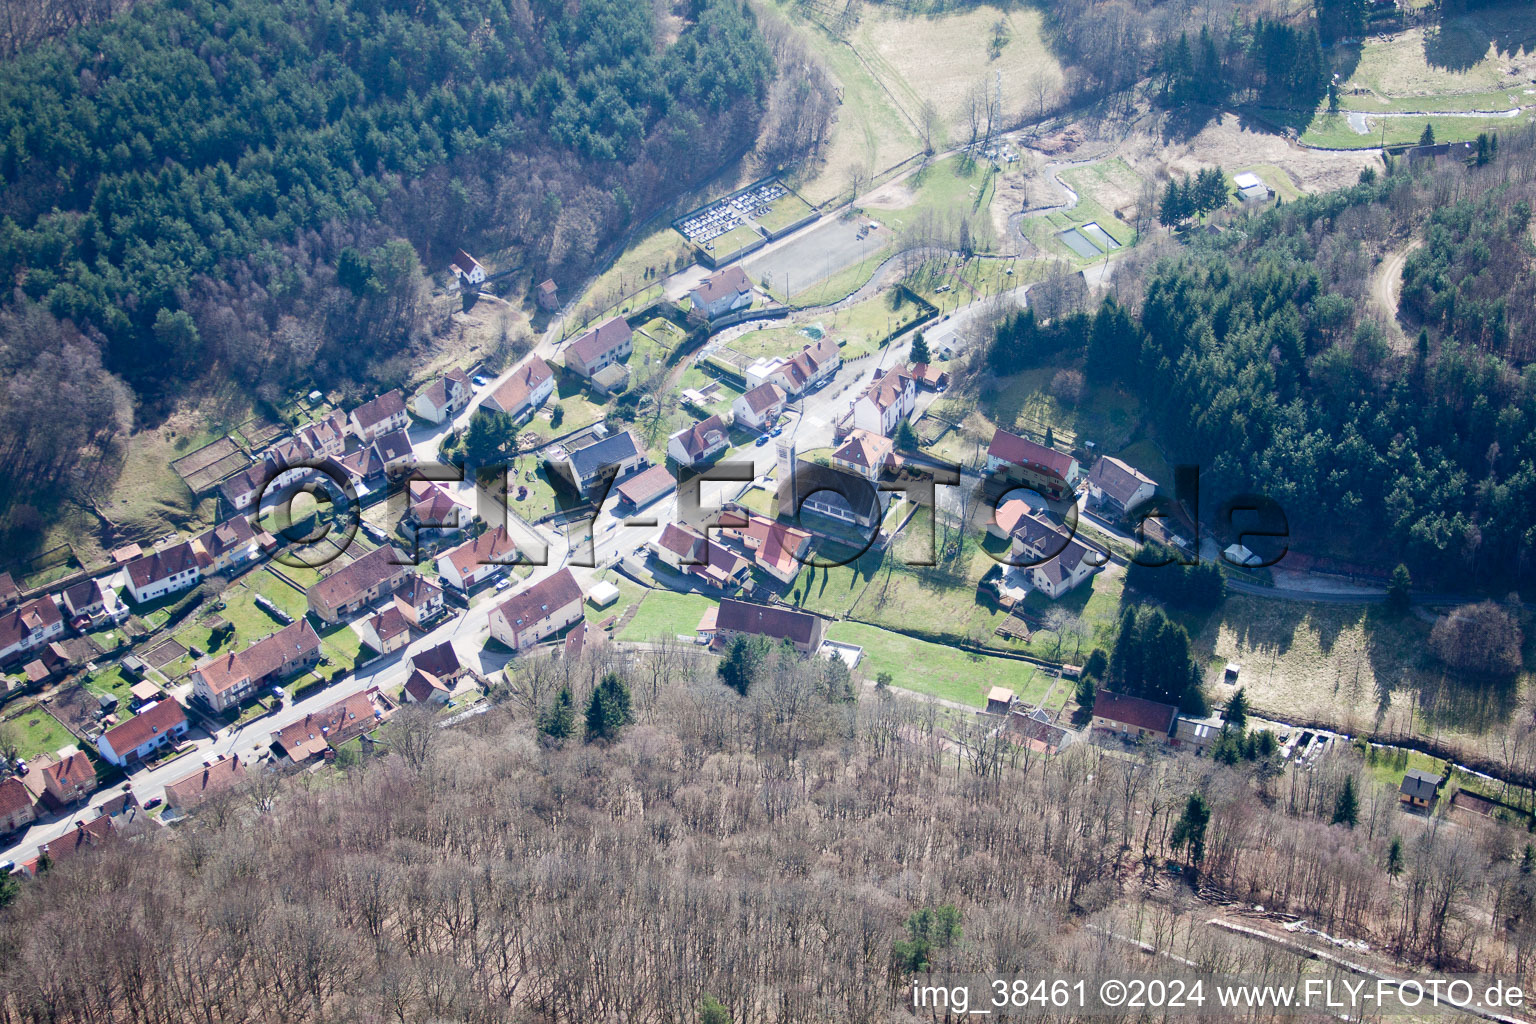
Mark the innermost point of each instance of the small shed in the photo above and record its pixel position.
(603, 595)
(999, 700)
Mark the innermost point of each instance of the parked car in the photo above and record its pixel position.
(479, 381)
(762, 440)
(279, 693)
(503, 584)
(152, 804)
(777, 431)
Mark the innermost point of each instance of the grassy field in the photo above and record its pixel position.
(723, 248)
(1462, 56)
(664, 614)
(38, 732)
(1026, 404)
(1101, 187)
(937, 197)
(630, 594)
(786, 210)
(951, 283)
(935, 669)
(1333, 131)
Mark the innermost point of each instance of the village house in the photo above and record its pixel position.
(802, 630)
(604, 345)
(218, 775)
(441, 661)
(29, 626)
(1133, 718)
(928, 376)
(85, 601)
(812, 366)
(70, 779)
(1116, 487)
(885, 403)
(584, 468)
(10, 593)
(999, 700)
(386, 631)
(444, 398)
(152, 728)
(525, 389)
(699, 443)
(1420, 789)
(537, 611)
(692, 554)
(640, 489)
(476, 561)
(379, 416)
(162, 572)
(364, 467)
(778, 549)
(241, 490)
(467, 270)
(395, 450)
(355, 586)
(759, 407)
(1054, 474)
(1051, 557)
(1036, 731)
(326, 437)
(316, 733)
(226, 545)
(866, 454)
(722, 293)
(84, 837)
(287, 463)
(433, 509)
(17, 810)
(419, 600)
(425, 688)
(223, 681)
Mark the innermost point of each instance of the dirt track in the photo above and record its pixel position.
(1387, 290)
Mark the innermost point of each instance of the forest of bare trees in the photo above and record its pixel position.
(478, 874)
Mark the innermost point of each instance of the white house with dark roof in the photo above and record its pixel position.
(1117, 487)
(444, 398)
(327, 436)
(722, 293)
(886, 402)
(152, 728)
(604, 345)
(760, 406)
(815, 363)
(162, 572)
(379, 416)
(29, 626)
(477, 560)
(538, 611)
(864, 453)
(621, 454)
(1054, 561)
(226, 545)
(467, 270)
(699, 443)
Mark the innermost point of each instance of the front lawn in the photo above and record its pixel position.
(936, 669)
(664, 614)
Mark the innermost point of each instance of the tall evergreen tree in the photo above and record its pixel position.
(1346, 809)
(608, 710)
(559, 720)
(1189, 831)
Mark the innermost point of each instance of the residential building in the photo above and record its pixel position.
(441, 661)
(223, 681)
(1054, 474)
(394, 450)
(355, 586)
(444, 398)
(999, 700)
(379, 416)
(885, 403)
(426, 688)
(640, 489)
(241, 490)
(10, 593)
(865, 453)
(476, 561)
(315, 733)
(831, 492)
(163, 572)
(525, 389)
(227, 545)
(612, 379)
(386, 631)
(29, 626)
(419, 600)
(537, 611)
(433, 508)
(548, 295)
(614, 457)
(723, 292)
(759, 407)
(807, 369)
(467, 270)
(218, 775)
(606, 344)
(1420, 789)
(1117, 487)
(692, 554)
(805, 632)
(70, 779)
(364, 467)
(17, 810)
(326, 437)
(1036, 731)
(1051, 557)
(778, 549)
(1133, 717)
(929, 376)
(82, 838)
(287, 463)
(84, 600)
(699, 443)
(151, 729)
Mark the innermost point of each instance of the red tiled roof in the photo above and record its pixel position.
(222, 774)
(602, 339)
(538, 601)
(344, 585)
(14, 797)
(493, 547)
(865, 449)
(696, 440)
(339, 722)
(727, 283)
(162, 564)
(646, 486)
(441, 661)
(1021, 451)
(764, 396)
(766, 620)
(17, 623)
(158, 719)
(291, 643)
(422, 685)
(377, 410)
(72, 772)
(1136, 712)
(512, 393)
